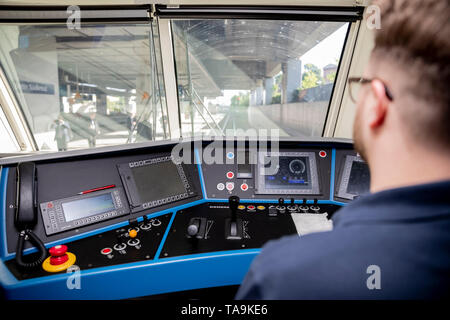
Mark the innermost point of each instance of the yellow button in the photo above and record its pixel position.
(241, 207)
(132, 233)
(260, 207)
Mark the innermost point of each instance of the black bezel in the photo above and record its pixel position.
(136, 203)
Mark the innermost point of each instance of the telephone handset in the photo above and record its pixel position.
(25, 218)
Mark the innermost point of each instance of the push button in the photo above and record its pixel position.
(106, 251)
(244, 187)
(230, 175)
(59, 259)
(230, 186)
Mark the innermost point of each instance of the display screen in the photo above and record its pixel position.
(157, 181)
(87, 207)
(290, 173)
(359, 180)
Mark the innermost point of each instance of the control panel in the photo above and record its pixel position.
(86, 208)
(139, 213)
(262, 174)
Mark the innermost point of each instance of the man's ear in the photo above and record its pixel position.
(378, 109)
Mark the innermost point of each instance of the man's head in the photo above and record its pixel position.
(411, 59)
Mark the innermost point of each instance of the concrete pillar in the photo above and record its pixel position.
(259, 92)
(294, 79)
(252, 97)
(268, 87)
(101, 103)
(291, 79)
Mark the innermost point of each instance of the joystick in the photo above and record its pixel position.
(233, 225)
(59, 259)
(196, 228)
(233, 203)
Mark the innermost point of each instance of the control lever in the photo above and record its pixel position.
(196, 228)
(234, 229)
(233, 203)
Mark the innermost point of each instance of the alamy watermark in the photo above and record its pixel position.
(74, 279)
(219, 151)
(73, 20)
(373, 20)
(374, 280)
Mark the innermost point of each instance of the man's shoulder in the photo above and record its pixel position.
(300, 251)
(315, 266)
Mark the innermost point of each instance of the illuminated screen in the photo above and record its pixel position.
(291, 173)
(359, 180)
(157, 181)
(82, 208)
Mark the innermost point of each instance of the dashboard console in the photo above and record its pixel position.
(136, 215)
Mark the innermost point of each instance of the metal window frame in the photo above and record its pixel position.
(89, 14)
(341, 81)
(304, 13)
(170, 81)
(15, 116)
(164, 14)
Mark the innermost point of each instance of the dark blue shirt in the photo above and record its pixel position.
(397, 240)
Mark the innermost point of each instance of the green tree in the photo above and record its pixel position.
(331, 76)
(311, 77)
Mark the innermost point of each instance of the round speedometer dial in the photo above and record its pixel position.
(297, 166)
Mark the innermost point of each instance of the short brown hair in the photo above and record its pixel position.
(415, 36)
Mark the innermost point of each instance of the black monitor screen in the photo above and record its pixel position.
(157, 181)
(359, 180)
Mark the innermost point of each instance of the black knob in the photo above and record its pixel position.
(280, 201)
(233, 203)
(292, 201)
(192, 229)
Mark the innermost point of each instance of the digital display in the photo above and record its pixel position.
(359, 180)
(291, 172)
(157, 181)
(287, 173)
(355, 179)
(78, 209)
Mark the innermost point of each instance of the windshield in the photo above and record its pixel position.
(104, 84)
(234, 75)
(95, 86)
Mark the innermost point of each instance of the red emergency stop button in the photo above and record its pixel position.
(244, 187)
(58, 250)
(58, 254)
(322, 154)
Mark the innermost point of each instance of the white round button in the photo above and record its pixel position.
(220, 186)
(230, 186)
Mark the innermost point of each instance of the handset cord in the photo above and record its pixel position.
(34, 239)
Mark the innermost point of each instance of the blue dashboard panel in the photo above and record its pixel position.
(182, 272)
(137, 279)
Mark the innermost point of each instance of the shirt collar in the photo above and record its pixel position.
(423, 201)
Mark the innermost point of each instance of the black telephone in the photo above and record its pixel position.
(25, 218)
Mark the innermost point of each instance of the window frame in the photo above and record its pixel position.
(164, 14)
